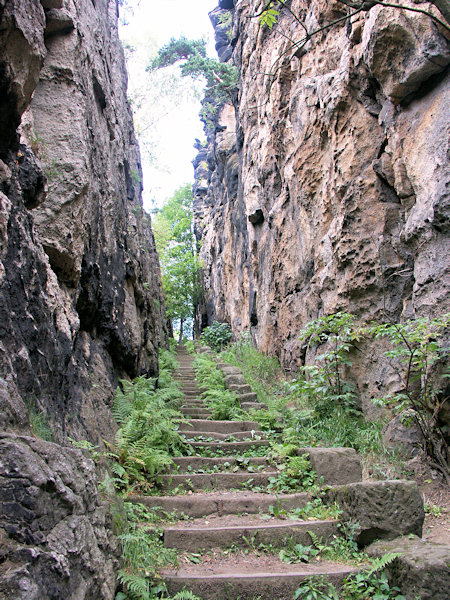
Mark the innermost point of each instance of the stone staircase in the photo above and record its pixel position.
(216, 488)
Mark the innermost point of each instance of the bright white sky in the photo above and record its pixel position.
(165, 105)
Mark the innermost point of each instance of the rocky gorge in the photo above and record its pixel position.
(80, 303)
(324, 184)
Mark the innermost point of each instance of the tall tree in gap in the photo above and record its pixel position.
(176, 244)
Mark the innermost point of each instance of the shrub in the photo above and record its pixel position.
(217, 335)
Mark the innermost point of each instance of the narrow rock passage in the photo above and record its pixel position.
(227, 525)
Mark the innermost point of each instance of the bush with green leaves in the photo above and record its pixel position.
(324, 381)
(368, 584)
(217, 336)
(417, 352)
(221, 78)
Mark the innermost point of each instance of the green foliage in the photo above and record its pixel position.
(39, 424)
(223, 403)
(261, 372)
(176, 245)
(324, 381)
(147, 437)
(368, 584)
(316, 588)
(269, 15)
(295, 474)
(225, 21)
(221, 78)
(143, 555)
(416, 348)
(217, 336)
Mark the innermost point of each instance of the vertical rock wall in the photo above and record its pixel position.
(330, 188)
(80, 292)
(81, 298)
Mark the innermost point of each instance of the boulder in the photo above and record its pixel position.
(422, 571)
(337, 466)
(381, 509)
(55, 535)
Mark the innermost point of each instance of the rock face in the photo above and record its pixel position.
(80, 293)
(53, 526)
(81, 299)
(380, 509)
(326, 187)
(422, 569)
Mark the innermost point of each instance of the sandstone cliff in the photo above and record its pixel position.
(328, 188)
(80, 290)
(80, 293)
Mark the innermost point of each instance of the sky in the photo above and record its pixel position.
(165, 106)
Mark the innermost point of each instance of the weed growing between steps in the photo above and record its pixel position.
(368, 584)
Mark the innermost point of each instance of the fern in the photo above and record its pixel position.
(185, 595)
(381, 562)
(136, 586)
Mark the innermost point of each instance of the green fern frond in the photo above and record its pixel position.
(381, 562)
(185, 595)
(135, 585)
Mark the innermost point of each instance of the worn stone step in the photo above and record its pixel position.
(188, 400)
(196, 413)
(194, 404)
(253, 406)
(222, 532)
(202, 462)
(240, 389)
(217, 437)
(215, 481)
(224, 426)
(222, 503)
(236, 447)
(249, 398)
(252, 578)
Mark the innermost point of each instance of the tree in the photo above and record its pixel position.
(221, 78)
(176, 244)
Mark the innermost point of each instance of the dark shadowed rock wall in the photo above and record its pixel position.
(80, 288)
(331, 191)
(80, 293)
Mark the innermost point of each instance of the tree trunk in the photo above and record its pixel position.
(180, 339)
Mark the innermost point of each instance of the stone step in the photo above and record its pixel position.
(249, 578)
(195, 413)
(224, 426)
(202, 462)
(250, 398)
(240, 389)
(236, 447)
(217, 437)
(222, 503)
(215, 481)
(194, 403)
(253, 406)
(223, 532)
